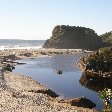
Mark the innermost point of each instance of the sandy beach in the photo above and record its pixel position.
(19, 93)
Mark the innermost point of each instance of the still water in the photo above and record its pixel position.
(67, 84)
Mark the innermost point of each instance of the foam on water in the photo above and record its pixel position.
(19, 47)
(6, 44)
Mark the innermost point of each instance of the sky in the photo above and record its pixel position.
(35, 19)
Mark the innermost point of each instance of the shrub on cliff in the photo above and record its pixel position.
(100, 61)
(107, 37)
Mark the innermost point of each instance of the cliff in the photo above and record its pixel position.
(72, 37)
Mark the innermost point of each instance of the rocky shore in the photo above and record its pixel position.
(19, 93)
(33, 53)
(22, 94)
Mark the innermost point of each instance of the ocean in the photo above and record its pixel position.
(20, 44)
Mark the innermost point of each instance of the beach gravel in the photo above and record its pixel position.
(19, 93)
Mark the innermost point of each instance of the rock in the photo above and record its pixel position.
(80, 102)
(48, 92)
(58, 71)
(27, 54)
(8, 67)
(72, 37)
(11, 57)
(83, 102)
(20, 63)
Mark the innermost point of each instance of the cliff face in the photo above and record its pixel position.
(72, 37)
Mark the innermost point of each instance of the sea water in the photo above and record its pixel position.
(20, 44)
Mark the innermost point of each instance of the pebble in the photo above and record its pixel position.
(15, 97)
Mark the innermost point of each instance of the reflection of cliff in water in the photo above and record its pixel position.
(94, 83)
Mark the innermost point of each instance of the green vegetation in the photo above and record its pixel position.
(101, 61)
(98, 75)
(107, 37)
(106, 96)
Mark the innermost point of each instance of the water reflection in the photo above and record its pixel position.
(67, 84)
(95, 84)
(62, 62)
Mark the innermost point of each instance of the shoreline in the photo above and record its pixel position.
(33, 53)
(21, 89)
(22, 93)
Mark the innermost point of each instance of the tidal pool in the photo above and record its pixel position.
(42, 69)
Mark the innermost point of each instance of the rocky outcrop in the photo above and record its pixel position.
(70, 37)
(80, 102)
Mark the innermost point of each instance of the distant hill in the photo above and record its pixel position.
(72, 37)
(107, 37)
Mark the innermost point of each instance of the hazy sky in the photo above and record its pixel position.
(35, 19)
